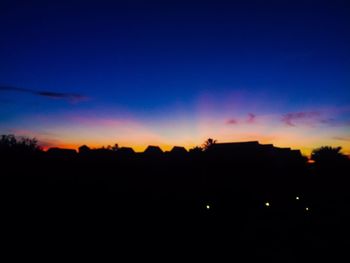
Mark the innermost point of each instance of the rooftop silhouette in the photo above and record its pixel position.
(221, 187)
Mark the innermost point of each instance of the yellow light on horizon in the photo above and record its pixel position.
(207, 207)
(267, 204)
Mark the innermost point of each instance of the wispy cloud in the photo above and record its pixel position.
(291, 119)
(251, 118)
(71, 97)
(232, 121)
(341, 138)
(328, 121)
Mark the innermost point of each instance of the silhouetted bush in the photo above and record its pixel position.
(18, 145)
(329, 159)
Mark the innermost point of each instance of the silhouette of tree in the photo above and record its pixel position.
(328, 155)
(113, 148)
(330, 160)
(208, 143)
(196, 149)
(9, 142)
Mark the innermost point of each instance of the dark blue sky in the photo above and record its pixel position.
(153, 59)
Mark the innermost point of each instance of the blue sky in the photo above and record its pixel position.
(179, 69)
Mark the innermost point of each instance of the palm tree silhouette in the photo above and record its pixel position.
(326, 155)
(208, 143)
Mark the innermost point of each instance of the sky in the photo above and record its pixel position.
(168, 73)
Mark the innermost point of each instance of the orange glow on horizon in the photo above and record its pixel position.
(136, 148)
(306, 151)
(74, 130)
(164, 147)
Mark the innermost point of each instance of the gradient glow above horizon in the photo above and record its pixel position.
(168, 73)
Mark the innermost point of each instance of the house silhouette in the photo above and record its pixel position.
(252, 150)
(61, 152)
(178, 150)
(84, 149)
(126, 151)
(153, 150)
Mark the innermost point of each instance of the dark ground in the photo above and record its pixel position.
(156, 206)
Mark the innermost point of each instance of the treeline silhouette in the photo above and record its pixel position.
(256, 195)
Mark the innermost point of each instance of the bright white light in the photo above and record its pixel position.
(306, 208)
(207, 207)
(267, 204)
(297, 197)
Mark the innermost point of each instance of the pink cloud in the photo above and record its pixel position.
(251, 118)
(232, 121)
(290, 119)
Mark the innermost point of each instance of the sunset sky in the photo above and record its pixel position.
(176, 72)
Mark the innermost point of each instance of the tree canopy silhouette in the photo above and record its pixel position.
(327, 153)
(208, 143)
(11, 143)
(196, 149)
(327, 156)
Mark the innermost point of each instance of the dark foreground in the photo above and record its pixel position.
(194, 206)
